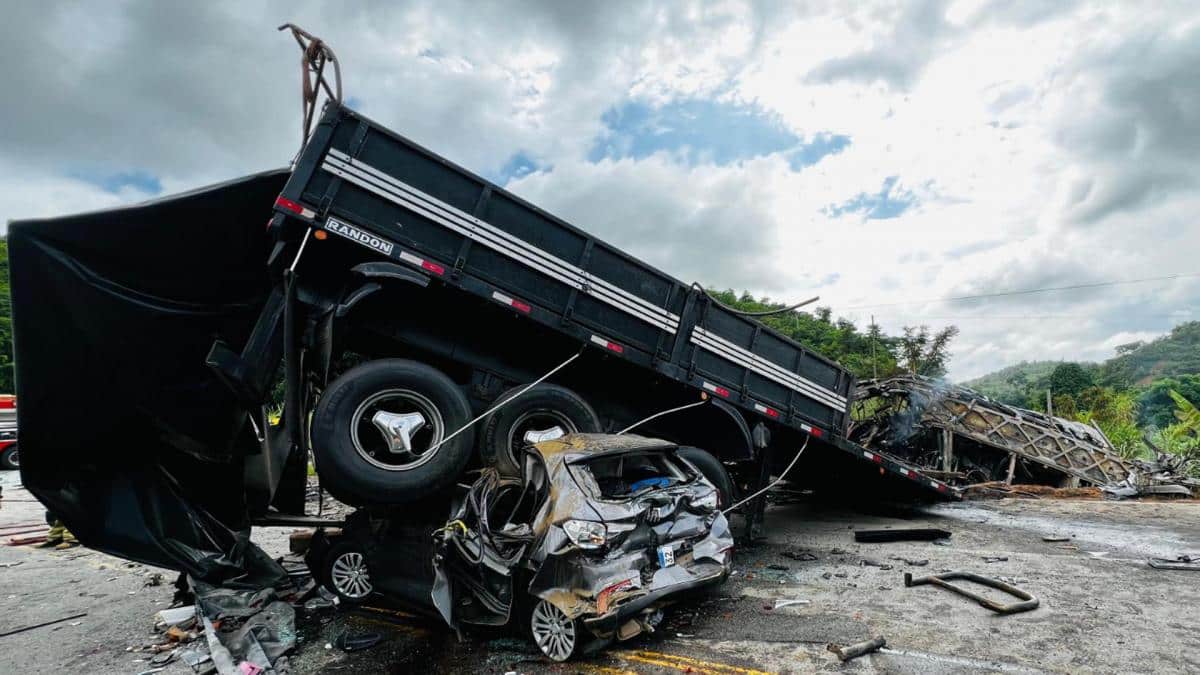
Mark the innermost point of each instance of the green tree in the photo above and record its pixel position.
(1156, 407)
(923, 353)
(1069, 378)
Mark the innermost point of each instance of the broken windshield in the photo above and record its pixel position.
(619, 476)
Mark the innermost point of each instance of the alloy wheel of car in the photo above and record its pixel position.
(397, 429)
(350, 576)
(553, 631)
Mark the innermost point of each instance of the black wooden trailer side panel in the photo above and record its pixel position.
(372, 186)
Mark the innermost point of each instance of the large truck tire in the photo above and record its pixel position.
(534, 415)
(712, 469)
(376, 430)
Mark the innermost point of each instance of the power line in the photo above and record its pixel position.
(1029, 291)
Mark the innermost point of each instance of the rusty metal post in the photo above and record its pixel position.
(947, 450)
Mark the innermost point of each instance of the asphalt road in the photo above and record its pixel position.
(1102, 608)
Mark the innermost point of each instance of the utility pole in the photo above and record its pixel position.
(874, 364)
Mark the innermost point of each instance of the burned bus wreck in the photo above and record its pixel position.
(965, 438)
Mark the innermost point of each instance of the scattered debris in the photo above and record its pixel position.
(1056, 537)
(155, 579)
(176, 616)
(911, 561)
(43, 624)
(799, 556)
(1028, 601)
(12, 564)
(908, 534)
(838, 551)
(778, 568)
(24, 541)
(994, 558)
(858, 649)
(780, 604)
(1183, 562)
(867, 562)
(356, 643)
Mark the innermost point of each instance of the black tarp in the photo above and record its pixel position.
(126, 435)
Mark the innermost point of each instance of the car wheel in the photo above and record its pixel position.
(712, 469)
(544, 412)
(556, 634)
(379, 433)
(346, 573)
(9, 458)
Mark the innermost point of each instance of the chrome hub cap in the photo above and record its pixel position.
(350, 577)
(397, 429)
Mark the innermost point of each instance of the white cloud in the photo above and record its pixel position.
(1045, 144)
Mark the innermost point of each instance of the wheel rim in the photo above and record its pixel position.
(535, 426)
(553, 631)
(397, 429)
(350, 576)
(14, 457)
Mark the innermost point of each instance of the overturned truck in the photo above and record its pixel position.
(965, 438)
(396, 304)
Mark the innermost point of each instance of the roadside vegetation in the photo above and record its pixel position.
(1144, 398)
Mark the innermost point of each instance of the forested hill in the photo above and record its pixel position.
(1148, 391)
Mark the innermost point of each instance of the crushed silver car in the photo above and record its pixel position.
(588, 546)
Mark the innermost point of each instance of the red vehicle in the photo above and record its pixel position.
(8, 432)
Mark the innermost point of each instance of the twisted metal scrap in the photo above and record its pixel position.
(315, 54)
(900, 405)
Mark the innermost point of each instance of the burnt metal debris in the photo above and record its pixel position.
(1027, 600)
(965, 438)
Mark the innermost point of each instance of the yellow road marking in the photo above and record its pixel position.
(686, 663)
(598, 669)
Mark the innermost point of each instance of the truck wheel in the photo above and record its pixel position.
(377, 429)
(547, 411)
(712, 469)
(9, 458)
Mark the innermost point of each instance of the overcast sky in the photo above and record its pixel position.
(883, 157)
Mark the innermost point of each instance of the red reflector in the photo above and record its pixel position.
(817, 432)
(771, 412)
(616, 347)
(433, 267)
(942, 488)
(721, 391)
(8, 402)
(285, 203)
(521, 307)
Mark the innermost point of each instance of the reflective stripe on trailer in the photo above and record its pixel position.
(608, 344)
(296, 208)
(422, 263)
(769, 412)
(813, 431)
(511, 302)
(715, 388)
(768, 369)
(373, 180)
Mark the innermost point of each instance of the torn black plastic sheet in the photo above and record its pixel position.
(126, 434)
(263, 627)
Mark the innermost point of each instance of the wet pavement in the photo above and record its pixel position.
(1102, 608)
